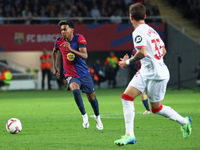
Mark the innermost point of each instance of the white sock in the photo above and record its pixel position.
(171, 114)
(129, 115)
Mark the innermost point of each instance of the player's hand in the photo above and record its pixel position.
(122, 62)
(67, 45)
(126, 57)
(56, 72)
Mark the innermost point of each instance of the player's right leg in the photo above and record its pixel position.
(73, 84)
(187, 127)
(95, 106)
(125, 140)
(88, 88)
(129, 114)
(171, 114)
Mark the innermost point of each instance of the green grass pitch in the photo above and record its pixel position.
(52, 121)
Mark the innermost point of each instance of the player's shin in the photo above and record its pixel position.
(169, 113)
(95, 106)
(79, 101)
(129, 114)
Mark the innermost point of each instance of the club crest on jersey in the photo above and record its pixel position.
(138, 39)
(70, 56)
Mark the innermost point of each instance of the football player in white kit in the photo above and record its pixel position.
(152, 78)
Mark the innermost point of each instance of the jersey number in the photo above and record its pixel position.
(158, 50)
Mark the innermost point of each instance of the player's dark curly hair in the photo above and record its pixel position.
(66, 22)
(137, 11)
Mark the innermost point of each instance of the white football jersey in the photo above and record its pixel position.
(152, 66)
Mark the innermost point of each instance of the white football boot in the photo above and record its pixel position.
(99, 124)
(85, 121)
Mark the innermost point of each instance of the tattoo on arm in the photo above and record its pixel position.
(139, 55)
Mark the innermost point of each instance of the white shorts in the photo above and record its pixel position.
(155, 89)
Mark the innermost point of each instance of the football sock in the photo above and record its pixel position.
(79, 101)
(95, 106)
(171, 114)
(129, 115)
(146, 104)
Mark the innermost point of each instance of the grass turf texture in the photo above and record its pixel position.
(51, 120)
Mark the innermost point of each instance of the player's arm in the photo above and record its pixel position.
(81, 53)
(164, 51)
(141, 53)
(55, 60)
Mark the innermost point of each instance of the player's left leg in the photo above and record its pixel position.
(171, 114)
(95, 105)
(145, 103)
(156, 92)
(88, 88)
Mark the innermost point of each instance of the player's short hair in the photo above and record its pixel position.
(66, 22)
(137, 11)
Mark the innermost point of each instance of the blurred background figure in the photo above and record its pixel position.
(5, 77)
(99, 71)
(46, 68)
(198, 74)
(112, 67)
(110, 75)
(93, 75)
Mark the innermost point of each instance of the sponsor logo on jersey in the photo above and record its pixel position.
(70, 56)
(138, 39)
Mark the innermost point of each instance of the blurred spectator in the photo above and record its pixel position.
(139, 1)
(110, 75)
(197, 69)
(189, 8)
(112, 67)
(99, 71)
(52, 14)
(45, 60)
(5, 77)
(93, 75)
(35, 15)
(156, 12)
(95, 13)
(1, 16)
(148, 5)
(44, 16)
(27, 14)
(69, 8)
(116, 18)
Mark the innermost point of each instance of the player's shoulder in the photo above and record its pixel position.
(141, 28)
(80, 35)
(81, 39)
(60, 39)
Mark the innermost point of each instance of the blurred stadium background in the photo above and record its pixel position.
(28, 26)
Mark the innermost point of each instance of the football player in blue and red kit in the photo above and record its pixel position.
(74, 52)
